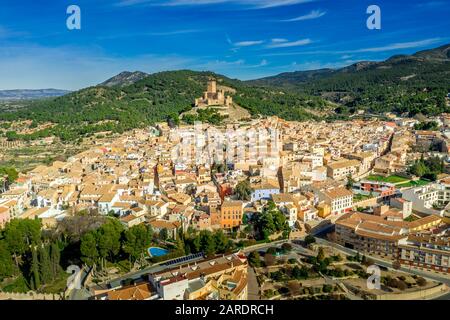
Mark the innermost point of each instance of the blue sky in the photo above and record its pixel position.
(242, 39)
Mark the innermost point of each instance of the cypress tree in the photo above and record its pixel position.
(55, 258)
(45, 266)
(34, 270)
(7, 267)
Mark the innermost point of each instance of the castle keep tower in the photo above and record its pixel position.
(212, 86)
(213, 97)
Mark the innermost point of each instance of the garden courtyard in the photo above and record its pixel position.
(314, 272)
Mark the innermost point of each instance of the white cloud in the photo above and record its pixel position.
(386, 48)
(279, 40)
(248, 43)
(263, 63)
(288, 44)
(315, 14)
(254, 4)
(400, 45)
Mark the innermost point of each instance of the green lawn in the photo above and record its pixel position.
(360, 197)
(412, 218)
(390, 179)
(417, 183)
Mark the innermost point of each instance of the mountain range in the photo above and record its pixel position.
(124, 79)
(411, 84)
(401, 63)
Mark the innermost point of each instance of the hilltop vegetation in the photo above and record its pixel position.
(402, 84)
(149, 100)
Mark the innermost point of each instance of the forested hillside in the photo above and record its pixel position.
(412, 84)
(152, 99)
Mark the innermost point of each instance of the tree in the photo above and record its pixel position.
(163, 234)
(45, 266)
(269, 259)
(396, 265)
(173, 120)
(181, 246)
(88, 248)
(207, 243)
(243, 190)
(326, 288)
(55, 257)
(320, 255)
(222, 243)
(286, 247)
(108, 237)
(20, 235)
(402, 285)
(271, 221)
(309, 239)
(350, 182)
(421, 282)
(10, 172)
(300, 273)
(34, 271)
(294, 287)
(196, 244)
(254, 259)
(136, 241)
(363, 260)
(6, 263)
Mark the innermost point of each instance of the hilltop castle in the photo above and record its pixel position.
(213, 97)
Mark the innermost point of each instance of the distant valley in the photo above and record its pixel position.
(28, 94)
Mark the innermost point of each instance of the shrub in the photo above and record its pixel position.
(286, 247)
(294, 287)
(277, 276)
(396, 265)
(254, 259)
(421, 281)
(269, 259)
(309, 239)
(327, 288)
(269, 293)
(401, 285)
(337, 258)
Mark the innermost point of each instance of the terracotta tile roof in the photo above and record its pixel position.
(135, 292)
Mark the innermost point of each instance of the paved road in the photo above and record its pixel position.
(264, 246)
(444, 297)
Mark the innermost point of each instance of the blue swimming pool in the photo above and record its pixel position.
(157, 252)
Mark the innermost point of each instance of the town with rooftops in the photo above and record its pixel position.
(246, 210)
